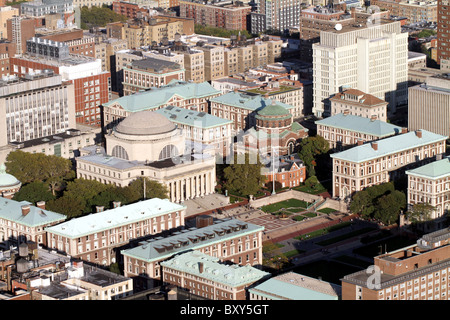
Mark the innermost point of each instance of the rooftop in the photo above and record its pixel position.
(362, 98)
(191, 239)
(192, 118)
(123, 215)
(434, 170)
(159, 96)
(294, 286)
(12, 210)
(360, 124)
(155, 65)
(208, 267)
(246, 101)
(388, 146)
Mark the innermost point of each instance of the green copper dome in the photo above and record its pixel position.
(6, 179)
(273, 110)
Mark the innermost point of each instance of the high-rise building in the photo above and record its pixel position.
(371, 57)
(443, 34)
(274, 15)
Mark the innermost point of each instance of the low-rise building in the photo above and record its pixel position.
(344, 130)
(294, 286)
(358, 103)
(289, 171)
(206, 276)
(383, 160)
(229, 240)
(22, 221)
(94, 237)
(149, 72)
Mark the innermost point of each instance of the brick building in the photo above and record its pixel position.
(206, 277)
(289, 171)
(443, 34)
(228, 240)
(416, 272)
(94, 237)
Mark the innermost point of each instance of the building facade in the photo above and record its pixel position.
(94, 237)
(228, 240)
(382, 161)
(443, 35)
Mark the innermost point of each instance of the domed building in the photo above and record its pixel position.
(148, 144)
(9, 184)
(275, 128)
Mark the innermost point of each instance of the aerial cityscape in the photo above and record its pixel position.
(222, 150)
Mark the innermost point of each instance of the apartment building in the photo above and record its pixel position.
(94, 237)
(414, 10)
(187, 95)
(274, 15)
(416, 272)
(91, 84)
(43, 7)
(23, 221)
(129, 9)
(205, 276)
(220, 14)
(429, 105)
(430, 184)
(105, 50)
(214, 61)
(201, 127)
(228, 240)
(344, 130)
(443, 35)
(6, 13)
(19, 30)
(78, 42)
(383, 160)
(355, 102)
(368, 57)
(7, 50)
(143, 33)
(148, 73)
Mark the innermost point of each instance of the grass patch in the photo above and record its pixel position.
(327, 210)
(290, 203)
(299, 218)
(344, 236)
(292, 253)
(310, 214)
(324, 231)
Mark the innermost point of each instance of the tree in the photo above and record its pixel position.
(33, 192)
(99, 17)
(312, 151)
(420, 212)
(153, 189)
(244, 176)
(72, 207)
(28, 167)
(389, 207)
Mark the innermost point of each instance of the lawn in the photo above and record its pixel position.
(321, 232)
(287, 204)
(327, 210)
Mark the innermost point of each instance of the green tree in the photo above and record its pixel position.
(99, 17)
(312, 151)
(33, 192)
(389, 207)
(83, 191)
(420, 212)
(29, 167)
(244, 175)
(153, 189)
(71, 206)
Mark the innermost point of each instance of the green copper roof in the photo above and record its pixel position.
(229, 275)
(246, 101)
(192, 118)
(191, 239)
(115, 217)
(273, 110)
(12, 210)
(434, 170)
(388, 146)
(360, 124)
(6, 179)
(158, 96)
(290, 286)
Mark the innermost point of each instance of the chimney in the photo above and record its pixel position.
(404, 130)
(360, 142)
(373, 118)
(200, 267)
(116, 204)
(346, 112)
(419, 133)
(100, 208)
(25, 209)
(40, 205)
(375, 146)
